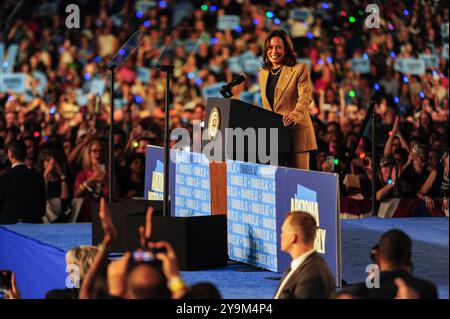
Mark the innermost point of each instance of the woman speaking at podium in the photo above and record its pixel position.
(286, 89)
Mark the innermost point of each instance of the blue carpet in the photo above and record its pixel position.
(430, 247)
(430, 253)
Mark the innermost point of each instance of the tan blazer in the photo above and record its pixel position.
(293, 94)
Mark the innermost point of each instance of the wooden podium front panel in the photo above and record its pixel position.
(218, 182)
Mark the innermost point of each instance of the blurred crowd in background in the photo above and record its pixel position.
(65, 122)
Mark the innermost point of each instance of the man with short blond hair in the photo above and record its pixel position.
(308, 276)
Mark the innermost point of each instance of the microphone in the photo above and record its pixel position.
(226, 89)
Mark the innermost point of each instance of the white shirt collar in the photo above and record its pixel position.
(299, 260)
(295, 264)
(17, 164)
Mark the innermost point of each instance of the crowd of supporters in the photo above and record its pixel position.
(65, 126)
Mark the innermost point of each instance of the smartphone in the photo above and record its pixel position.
(326, 107)
(142, 256)
(102, 168)
(147, 256)
(330, 160)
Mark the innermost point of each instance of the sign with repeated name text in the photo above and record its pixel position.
(444, 31)
(228, 22)
(409, 66)
(143, 74)
(258, 199)
(192, 185)
(252, 214)
(14, 82)
(7, 66)
(212, 90)
(145, 5)
(445, 51)
(431, 60)
(98, 87)
(299, 14)
(252, 65)
(234, 63)
(154, 176)
(361, 65)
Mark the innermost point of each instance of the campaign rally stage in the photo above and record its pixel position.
(255, 198)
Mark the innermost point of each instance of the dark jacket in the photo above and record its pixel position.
(388, 289)
(312, 280)
(22, 196)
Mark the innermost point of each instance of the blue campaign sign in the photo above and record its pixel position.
(81, 98)
(247, 97)
(445, 51)
(246, 56)
(48, 9)
(361, 65)
(251, 216)
(317, 194)
(6, 66)
(42, 79)
(431, 60)
(258, 199)
(14, 82)
(120, 103)
(212, 90)
(304, 60)
(143, 74)
(190, 46)
(144, 5)
(299, 14)
(252, 65)
(234, 63)
(97, 87)
(192, 185)
(154, 176)
(228, 22)
(444, 31)
(409, 66)
(257, 99)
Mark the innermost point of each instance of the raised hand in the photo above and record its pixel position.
(394, 174)
(168, 259)
(117, 275)
(109, 230)
(49, 168)
(145, 232)
(13, 293)
(395, 128)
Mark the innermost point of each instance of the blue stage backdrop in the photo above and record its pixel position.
(258, 199)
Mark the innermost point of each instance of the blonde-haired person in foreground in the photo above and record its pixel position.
(78, 261)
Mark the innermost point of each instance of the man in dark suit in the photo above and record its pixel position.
(393, 258)
(308, 277)
(22, 190)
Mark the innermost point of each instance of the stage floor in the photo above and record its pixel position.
(36, 254)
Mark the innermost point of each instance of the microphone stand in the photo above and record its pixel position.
(168, 69)
(370, 115)
(112, 68)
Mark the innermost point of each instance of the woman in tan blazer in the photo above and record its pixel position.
(286, 89)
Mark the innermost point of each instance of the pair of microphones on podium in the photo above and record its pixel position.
(225, 90)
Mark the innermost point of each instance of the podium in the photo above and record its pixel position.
(245, 133)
